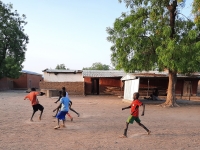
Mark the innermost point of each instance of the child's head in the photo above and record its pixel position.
(63, 88)
(33, 89)
(63, 93)
(136, 95)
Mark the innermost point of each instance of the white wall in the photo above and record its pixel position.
(63, 77)
(131, 86)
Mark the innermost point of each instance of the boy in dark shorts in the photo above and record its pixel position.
(32, 96)
(70, 103)
(64, 90)
(134, 114)
(64, 108)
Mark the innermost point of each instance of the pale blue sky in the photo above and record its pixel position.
(70, 32)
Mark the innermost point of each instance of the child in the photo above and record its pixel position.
(63, 89)
(134, 114)
(32, 96)
(70, 103)
(64, 104)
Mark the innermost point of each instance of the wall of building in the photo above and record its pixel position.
(6, 84)
(162, 85)
(73, 88)
(110, 86)
(26, 81)
(21, 82)
(63, 77)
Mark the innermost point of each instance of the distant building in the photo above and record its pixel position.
(27, 80)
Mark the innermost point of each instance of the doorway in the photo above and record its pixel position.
(95, 86)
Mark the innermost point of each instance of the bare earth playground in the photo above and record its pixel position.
(99, 126)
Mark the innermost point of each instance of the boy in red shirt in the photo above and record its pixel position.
(134, 114)
(32, 96)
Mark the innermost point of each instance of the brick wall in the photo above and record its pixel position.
(73, 88)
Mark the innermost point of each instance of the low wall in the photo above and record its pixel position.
(73, 88)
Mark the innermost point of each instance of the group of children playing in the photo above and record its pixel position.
(65, 105)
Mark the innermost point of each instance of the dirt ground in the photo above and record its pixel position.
(99, 126)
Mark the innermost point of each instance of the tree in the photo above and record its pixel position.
(61, 67)
(97, 66)
(13, 41)
(154, 33)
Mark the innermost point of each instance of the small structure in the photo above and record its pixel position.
(26, 80)
(103, 82)
(55, 79)
(148, 81)
(131, 86)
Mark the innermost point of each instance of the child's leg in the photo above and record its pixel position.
(126, 128)
(41, 111)
(74, 111)
(63, 123)
(140, 124)
(70, 116)
(32, 115)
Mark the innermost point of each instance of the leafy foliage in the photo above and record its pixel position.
(97, 66)
(13, 41)
(143, 38)
(61, 67)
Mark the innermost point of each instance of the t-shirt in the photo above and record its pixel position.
(32, 96)
(65, 104)
(135, 107)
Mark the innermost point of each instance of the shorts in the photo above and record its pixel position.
(61, 115)
(38, 106)
(132, 118)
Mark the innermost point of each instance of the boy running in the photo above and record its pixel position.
(64, 104)
(70, 103)
(32, 96)
(134, 114)
(64, 90)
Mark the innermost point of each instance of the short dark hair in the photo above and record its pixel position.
(33, 89)
(63, 88)
(137, 94)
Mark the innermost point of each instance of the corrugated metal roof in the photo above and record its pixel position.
(103, 73)
(62, 71)
(30, 72)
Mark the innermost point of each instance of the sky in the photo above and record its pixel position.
(70, 32)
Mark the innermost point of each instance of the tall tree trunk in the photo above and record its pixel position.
(171, 97)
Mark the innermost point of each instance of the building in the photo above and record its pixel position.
(55, 79)
(26, 80)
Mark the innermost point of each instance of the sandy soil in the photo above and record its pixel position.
(99, 126)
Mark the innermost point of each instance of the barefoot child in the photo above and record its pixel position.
(32, 96)
(70, 103)
(134, 114)
(63, 89)
(64, 104)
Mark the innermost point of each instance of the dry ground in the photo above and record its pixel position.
(99, 126)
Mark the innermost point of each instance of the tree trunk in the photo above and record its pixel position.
(171, 97)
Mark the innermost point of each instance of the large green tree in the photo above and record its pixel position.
(97, 66)
(13, 41)
(154, 33)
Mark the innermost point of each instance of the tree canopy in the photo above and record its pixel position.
(98, 66)
(13, 41)
(155, 34)
(61, 67)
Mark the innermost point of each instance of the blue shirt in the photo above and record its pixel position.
(65, 104)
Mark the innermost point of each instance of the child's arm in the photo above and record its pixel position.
(126, 107)
(58, 99)
(57, 107)
(143, 110)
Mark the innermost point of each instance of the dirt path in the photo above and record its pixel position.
(99, 126)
